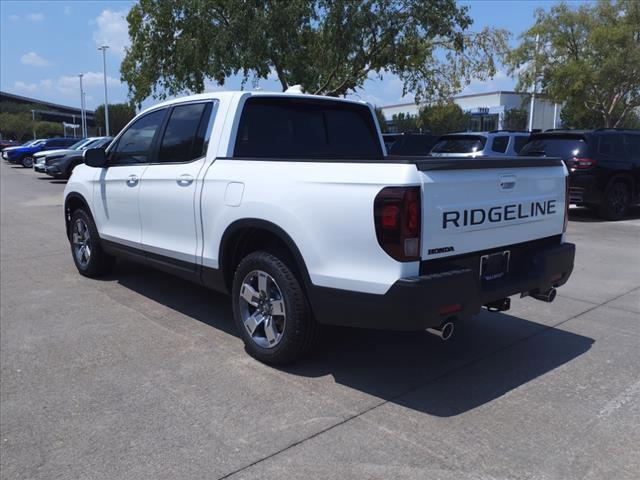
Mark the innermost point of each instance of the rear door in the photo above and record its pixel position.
(169, 185)
(479, 204)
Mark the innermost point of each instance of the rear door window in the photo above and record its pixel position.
(460, 144)
(556, 146)
(611, 145)
(500, 144)
(183, 138)
(280, 127)
(633, 146)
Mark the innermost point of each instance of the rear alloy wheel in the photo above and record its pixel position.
(616, 201)
(271, 310)
(27, 162)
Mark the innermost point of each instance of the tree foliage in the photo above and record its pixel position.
(443, 118)
(405, 123)
(329, 47)
(587, 56)
(119, 115)
(15, 126)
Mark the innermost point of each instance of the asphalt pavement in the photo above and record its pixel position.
(141, 375)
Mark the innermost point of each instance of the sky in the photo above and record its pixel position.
(44, 45)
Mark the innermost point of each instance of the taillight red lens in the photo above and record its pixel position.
(576, 163)
(397, 219)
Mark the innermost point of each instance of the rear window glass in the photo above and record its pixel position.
(633, 146)
(280, 127)
(460, 144)
(611, 145)
(413, 145)
(564, 147)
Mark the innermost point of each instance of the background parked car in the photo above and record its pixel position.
(7, 143)
(475, 144)
(24, 154)
(409, 143)
(62, 167)
(39, 158)
(604, 166)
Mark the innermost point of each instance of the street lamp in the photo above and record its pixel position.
(106, 101)
(33, 123)
(84, 133)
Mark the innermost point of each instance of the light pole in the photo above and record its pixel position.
(33, 123)
(106, 101)
(535, 81)
(84, 133)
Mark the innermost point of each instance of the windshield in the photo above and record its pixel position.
(563, 147)
(82, 143)
(460, 144)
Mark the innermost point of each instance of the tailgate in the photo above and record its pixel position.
(471, 205)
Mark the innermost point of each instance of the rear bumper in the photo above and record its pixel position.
(584, 189)
(415, 303)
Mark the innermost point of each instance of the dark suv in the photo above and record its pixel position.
(604, 166)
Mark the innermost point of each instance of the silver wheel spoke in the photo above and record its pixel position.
(87, 252)
(252, 322)
(262, 284)
(277, 307)
(249, 294)
(270, 331)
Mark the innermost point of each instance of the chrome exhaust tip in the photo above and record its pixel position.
(548, 296)
(444, 331)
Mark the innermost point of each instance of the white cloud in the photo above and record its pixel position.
(113, 30)
(70, 84)
(35, 17)
(24, 87)
(14, 17)
(67, 9)
(34, 60)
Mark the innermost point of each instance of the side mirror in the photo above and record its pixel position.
(95, 157)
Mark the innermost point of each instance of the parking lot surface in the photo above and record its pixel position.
(141, 375)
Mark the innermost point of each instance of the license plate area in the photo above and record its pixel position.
(494, 266)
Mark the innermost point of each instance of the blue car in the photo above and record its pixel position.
(23, 154)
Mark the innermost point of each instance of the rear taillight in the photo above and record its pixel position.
(576, 163)
(397, 217)
(566, 203)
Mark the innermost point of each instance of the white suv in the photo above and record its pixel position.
(497, 143)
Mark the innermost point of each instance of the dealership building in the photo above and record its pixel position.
(487, 110)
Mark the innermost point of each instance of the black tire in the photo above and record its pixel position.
(98, 263)
(300, 331)
(616, 201)
(27, 161)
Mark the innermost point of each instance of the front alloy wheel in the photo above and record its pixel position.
(81, 242)
(27, 162)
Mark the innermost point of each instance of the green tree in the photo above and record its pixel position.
(515, 119)
(119, 115)
(329, 47)
(443, 118)
(587, 57)
(404, 122)
(45, 129)
(15, 125)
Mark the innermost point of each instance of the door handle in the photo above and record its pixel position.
(132, 180)
(184, 180)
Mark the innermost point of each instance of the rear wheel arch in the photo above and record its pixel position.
(251, 234)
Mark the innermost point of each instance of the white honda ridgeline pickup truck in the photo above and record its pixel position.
(289, 203)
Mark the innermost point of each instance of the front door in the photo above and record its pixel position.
(117, 188)
(168, 202)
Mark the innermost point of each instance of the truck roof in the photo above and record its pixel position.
(231, 93)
